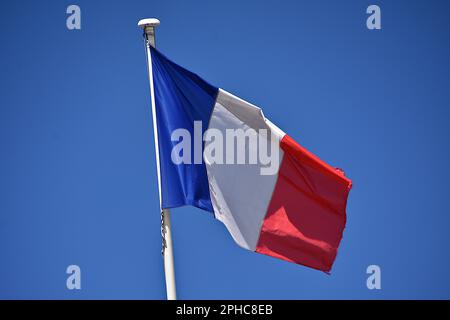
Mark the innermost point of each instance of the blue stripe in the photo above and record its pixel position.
(181, 97)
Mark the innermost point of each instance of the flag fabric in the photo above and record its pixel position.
(296, 213)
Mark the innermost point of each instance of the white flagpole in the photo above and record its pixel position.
(167, 247)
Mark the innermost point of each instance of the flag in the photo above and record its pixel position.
(219, 153)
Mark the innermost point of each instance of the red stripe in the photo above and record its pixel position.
(306, 215)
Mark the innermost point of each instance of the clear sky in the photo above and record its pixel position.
(77, 170)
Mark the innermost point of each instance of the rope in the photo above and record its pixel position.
(163, 234)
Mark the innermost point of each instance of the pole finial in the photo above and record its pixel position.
(149, 26)
(149, 22)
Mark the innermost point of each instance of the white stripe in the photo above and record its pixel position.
(240, 194)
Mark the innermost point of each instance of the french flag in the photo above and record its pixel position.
(293, 208)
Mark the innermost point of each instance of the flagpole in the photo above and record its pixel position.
(149, 26)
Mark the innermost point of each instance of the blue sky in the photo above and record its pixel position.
(78, 183)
